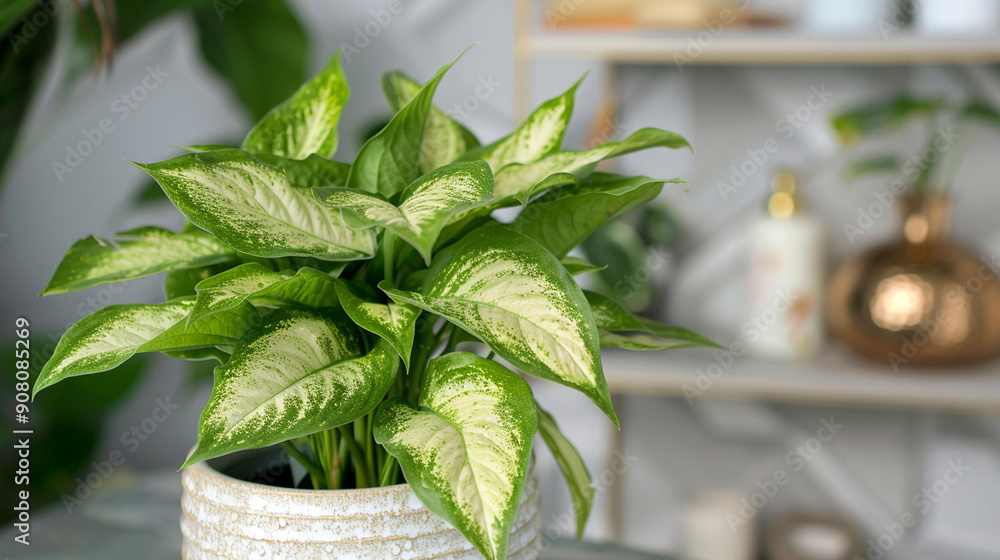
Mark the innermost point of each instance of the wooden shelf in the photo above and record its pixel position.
(832, 379)
(762, 47)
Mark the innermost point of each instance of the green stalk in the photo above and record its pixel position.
(387, 476)
(357, 457)
(388, 240)
(315, 473)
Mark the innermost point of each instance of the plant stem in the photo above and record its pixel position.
(452, 342)
(315, 473)
(388, 474)
(388, 240)
(357, 457)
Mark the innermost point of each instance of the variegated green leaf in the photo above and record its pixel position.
(313, 171)
(444, 139)
(390, 160)
(517, 298)
(107, 337)
(394, 322)
(262, 286)
(294, 374)
(517, 178)
(540, 135)
(573, 468)
(577, 266)
(563, 218)
(254, 208)
(224, 328)
(622, 329)
(426, 207)
(465, 451)
(305, 123)
(139, 252)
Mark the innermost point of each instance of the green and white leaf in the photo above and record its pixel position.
(294, 374)
(257, 284)
(107, 337)
(538, 136)
(444, 138)
(563, 218)
(517, 178)
(622, 329)
(139, 252)
(425, 208)
(313, 171)
(517, 298)
(224, 328)
(394, 322)
(577, 266)
(253, 207)
(390, 160)
(573, 468)
(465, 451)
(305, 123)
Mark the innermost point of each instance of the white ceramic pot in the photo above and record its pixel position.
(228, 518)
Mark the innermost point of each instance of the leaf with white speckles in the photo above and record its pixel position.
(394, 322)
(465, 451)
(313, 171)
(444, 139)
(296, 373)
(254, 208)
(107, 337)
(306, 122)
(577, 266)
(571, 465)
(426, 207)
(139, 252)
(220, 329)
(255, 283)
(517, 298)
(519, 178)
(622, 329)
(390, 160)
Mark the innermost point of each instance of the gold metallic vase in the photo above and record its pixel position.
(919, 300)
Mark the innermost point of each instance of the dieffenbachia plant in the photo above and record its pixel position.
(334, 296)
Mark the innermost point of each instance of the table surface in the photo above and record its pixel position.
(142, 515)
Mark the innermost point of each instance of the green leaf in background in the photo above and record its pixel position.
(538, 136)
(259, 47)
(518, 299)
(182, 282)
(11, 13)
(425, 208)
(294, 374)
(255, 283)
(611, 318)
(219, 329)
(517, 178)
(139, 252)
(390, 160)
(465, 451)
(306, 123)
(445, 140)
(573, 468)
(882, 117)
(869, 166)
(313, 171)
(254, 208)
(107, 337)
(577, 266)
(619, 245)
(394, 322)
(562, 219)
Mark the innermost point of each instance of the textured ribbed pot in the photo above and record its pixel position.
(225, 517)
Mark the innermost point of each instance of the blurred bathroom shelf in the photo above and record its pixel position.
(832, 379)
(750, 47)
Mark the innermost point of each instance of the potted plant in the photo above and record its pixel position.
(918, 299)
(334, 297)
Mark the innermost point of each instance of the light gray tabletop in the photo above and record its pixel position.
(139, 519)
